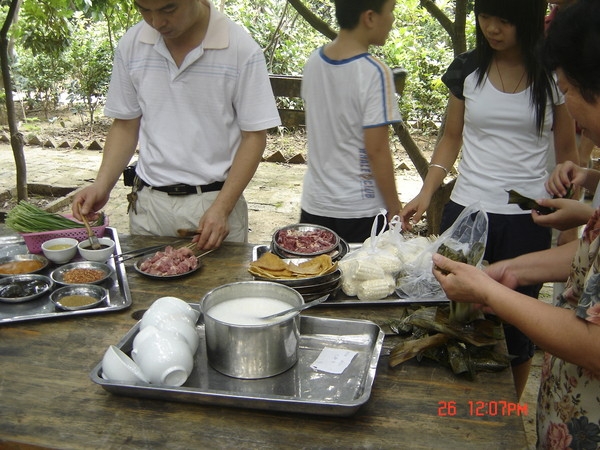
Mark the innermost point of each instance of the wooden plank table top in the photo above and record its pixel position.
(48, 400)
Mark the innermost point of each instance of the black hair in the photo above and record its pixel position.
(573, 44)
(347, 12)
(528, 18)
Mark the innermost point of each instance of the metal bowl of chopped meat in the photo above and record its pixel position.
(83, 272)
(305, 240)
(171, 262)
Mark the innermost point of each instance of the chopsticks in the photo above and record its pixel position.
(137, 252)
(205, 253)
(125, 256)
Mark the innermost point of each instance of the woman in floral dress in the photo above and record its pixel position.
(568, 413)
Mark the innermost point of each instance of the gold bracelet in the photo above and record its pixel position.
(440, 167)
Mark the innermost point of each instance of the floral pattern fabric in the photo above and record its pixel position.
(568, 413)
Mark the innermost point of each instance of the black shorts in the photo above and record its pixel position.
(509, 236)
(350, 230)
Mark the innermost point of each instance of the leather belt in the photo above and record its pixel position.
(186, 189)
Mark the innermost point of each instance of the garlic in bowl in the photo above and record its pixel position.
(60, 250)
(107, 247)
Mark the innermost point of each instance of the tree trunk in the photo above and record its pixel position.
(16, 138)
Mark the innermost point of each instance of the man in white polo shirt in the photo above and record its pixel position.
(192, 86)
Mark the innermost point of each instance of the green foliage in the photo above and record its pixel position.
(418, 44)
(90, 60)
(118, 15)
(43, 26)
(40, 78)
(285, 37)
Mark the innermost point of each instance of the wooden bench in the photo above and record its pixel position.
(288, 87)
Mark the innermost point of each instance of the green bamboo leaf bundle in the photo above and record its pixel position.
(526, 203)
(28, 218)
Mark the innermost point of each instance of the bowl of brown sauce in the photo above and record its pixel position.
(106, 250)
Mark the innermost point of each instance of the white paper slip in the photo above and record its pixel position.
(333, 360)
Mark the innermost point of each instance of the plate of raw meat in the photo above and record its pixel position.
(171, 262)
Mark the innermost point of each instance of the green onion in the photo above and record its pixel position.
(28, 218)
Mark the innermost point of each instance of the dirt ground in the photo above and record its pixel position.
(273, 195)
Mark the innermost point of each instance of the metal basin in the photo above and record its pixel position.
(257, 350)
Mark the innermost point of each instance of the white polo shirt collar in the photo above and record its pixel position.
(217, 35)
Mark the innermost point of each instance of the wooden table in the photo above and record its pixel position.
(47, 398)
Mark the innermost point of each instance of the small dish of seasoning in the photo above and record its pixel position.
(23, 288)
(74, 298)
(21, 264)
(83, 272)
(60, 250)
(107, 248)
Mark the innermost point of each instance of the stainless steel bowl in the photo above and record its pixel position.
(58, 275)
(86, 296)
(23, 288)
(302, 228)
(252, 351)
(27, 257)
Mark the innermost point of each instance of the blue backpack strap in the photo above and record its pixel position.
(454, 78)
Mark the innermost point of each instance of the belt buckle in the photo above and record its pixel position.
(178, 190)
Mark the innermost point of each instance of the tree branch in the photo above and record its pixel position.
(318, 24)
(439, 15)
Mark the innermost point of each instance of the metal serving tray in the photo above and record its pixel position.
(300, 389)
(338, 298)
(119, 296)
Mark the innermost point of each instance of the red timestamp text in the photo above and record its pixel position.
(481, 408)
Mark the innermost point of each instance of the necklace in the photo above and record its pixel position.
(502, 81)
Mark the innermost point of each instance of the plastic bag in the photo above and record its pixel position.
(465, 240)
(370, 272)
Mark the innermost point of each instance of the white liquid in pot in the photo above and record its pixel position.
(248, 310)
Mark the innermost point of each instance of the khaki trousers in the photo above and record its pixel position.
(161, 214)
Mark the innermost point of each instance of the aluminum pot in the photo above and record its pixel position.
(252, 351)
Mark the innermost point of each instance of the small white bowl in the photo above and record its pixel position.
(117, 366)
(163, 357)
(87, 252)
(60, 250)
(174, 304)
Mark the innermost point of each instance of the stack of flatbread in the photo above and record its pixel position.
(272, 266)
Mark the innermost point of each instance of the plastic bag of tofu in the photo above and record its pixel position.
(370, 271)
